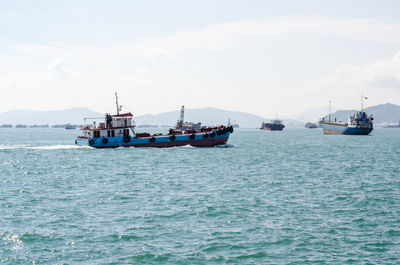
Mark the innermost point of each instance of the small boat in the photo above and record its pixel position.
(70, 127)
(274, 125)
(310, 125)
(119, 131)
(182, 125)
(358, 124)
(393, 126)
(234, 125)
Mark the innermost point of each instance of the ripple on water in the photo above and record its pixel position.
(293, 197)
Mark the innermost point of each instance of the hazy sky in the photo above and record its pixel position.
(263, 57)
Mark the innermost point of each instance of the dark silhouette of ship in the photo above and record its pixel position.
(310, 125)
(274, 125)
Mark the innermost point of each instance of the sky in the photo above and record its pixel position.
(263, 57)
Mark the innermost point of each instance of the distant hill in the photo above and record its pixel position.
(207, 116)
(30, 117)
(383, 114)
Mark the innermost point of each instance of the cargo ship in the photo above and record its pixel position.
(358, 124)
(119, 131)
(274, 125)
(182, 125)
(310, 125)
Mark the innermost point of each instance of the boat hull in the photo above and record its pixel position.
(160, 141)
(331, 128)
(273, 128)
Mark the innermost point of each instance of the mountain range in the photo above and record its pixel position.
(384, 114)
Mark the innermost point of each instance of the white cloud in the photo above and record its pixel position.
(187, 59)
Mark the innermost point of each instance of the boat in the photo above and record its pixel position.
(39, 126)
(360, 123)
(310, 125)
(274, 125)
(182, 125)
(393, 126)
(119, 131)
(70, 127)
(234, 125)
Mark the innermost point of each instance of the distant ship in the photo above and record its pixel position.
(234, 125)
(358, 124)
(70, 127)
(274, 125)
(310, 125)
(119, 130)
(39, 126)
(147, 126)
(181, 125)
(393, 126)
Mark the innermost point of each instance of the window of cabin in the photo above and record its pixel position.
(113, 133)
(108, 133)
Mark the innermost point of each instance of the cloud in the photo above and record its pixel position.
(57, 69)
(265, 52)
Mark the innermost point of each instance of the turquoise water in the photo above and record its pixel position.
(291, 197)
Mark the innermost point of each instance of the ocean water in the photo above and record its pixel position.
(290, 197)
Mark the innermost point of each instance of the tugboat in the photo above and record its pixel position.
(274, 125)
(119, 130)
(358, 124)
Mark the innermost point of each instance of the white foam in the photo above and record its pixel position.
(43, 147)
(56, 147)
(7, 147)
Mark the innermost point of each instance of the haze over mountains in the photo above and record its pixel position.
(384, 114)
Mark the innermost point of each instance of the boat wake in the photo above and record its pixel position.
(225, 146)
(56, 147)
(42, 147)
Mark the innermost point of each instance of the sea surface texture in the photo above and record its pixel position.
(290, 197)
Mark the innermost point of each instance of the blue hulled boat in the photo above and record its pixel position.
(119, 130)
(358, 124)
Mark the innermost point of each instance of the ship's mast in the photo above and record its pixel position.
(329, 110)
(182, 114)
(362, 103)
(116, 102)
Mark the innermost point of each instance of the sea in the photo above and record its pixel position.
(291, 197)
